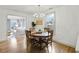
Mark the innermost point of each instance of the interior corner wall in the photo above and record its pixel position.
(67, 20)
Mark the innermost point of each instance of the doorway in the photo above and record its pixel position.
(16, 25)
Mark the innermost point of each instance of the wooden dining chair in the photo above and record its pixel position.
(48, 40)
(32, 41)
(28, 40)
(44, 44)
(50, 34)
(28, 33)
(46, 29)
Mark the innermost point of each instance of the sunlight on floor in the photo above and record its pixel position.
(53, 49)
(13, 42)
(50, 49)
(24, 44)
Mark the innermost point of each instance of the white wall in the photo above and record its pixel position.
(67, 21)
(29, 20)
(3, 21)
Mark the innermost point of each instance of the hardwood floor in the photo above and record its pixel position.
(60, 48)
(18, 45)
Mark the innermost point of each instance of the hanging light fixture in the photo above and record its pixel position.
(39, 14)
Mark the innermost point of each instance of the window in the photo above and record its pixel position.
(15, 24)
(49, 20)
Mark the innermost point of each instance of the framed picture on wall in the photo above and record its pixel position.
(39, 22)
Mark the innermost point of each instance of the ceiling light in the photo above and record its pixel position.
(39, 14)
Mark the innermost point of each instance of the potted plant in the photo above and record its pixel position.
(33, 24)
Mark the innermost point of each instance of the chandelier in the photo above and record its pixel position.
(39, 14)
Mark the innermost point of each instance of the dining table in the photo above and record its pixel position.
(40, 34)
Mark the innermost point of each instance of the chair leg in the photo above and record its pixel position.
(48, 49)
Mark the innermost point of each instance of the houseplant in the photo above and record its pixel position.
(33, 24)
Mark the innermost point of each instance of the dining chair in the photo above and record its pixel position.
(50, 34)
(28, 33)
(47, 40)
(44, 44)
(28, 40)
(46, 29)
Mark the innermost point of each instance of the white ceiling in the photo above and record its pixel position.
(29, 8)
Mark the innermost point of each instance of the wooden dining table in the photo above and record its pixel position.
(40, 34)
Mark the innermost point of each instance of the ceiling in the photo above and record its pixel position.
(29, 8)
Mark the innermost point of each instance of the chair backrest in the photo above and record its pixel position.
(28, 33)
(46, 29)
(51, 33)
